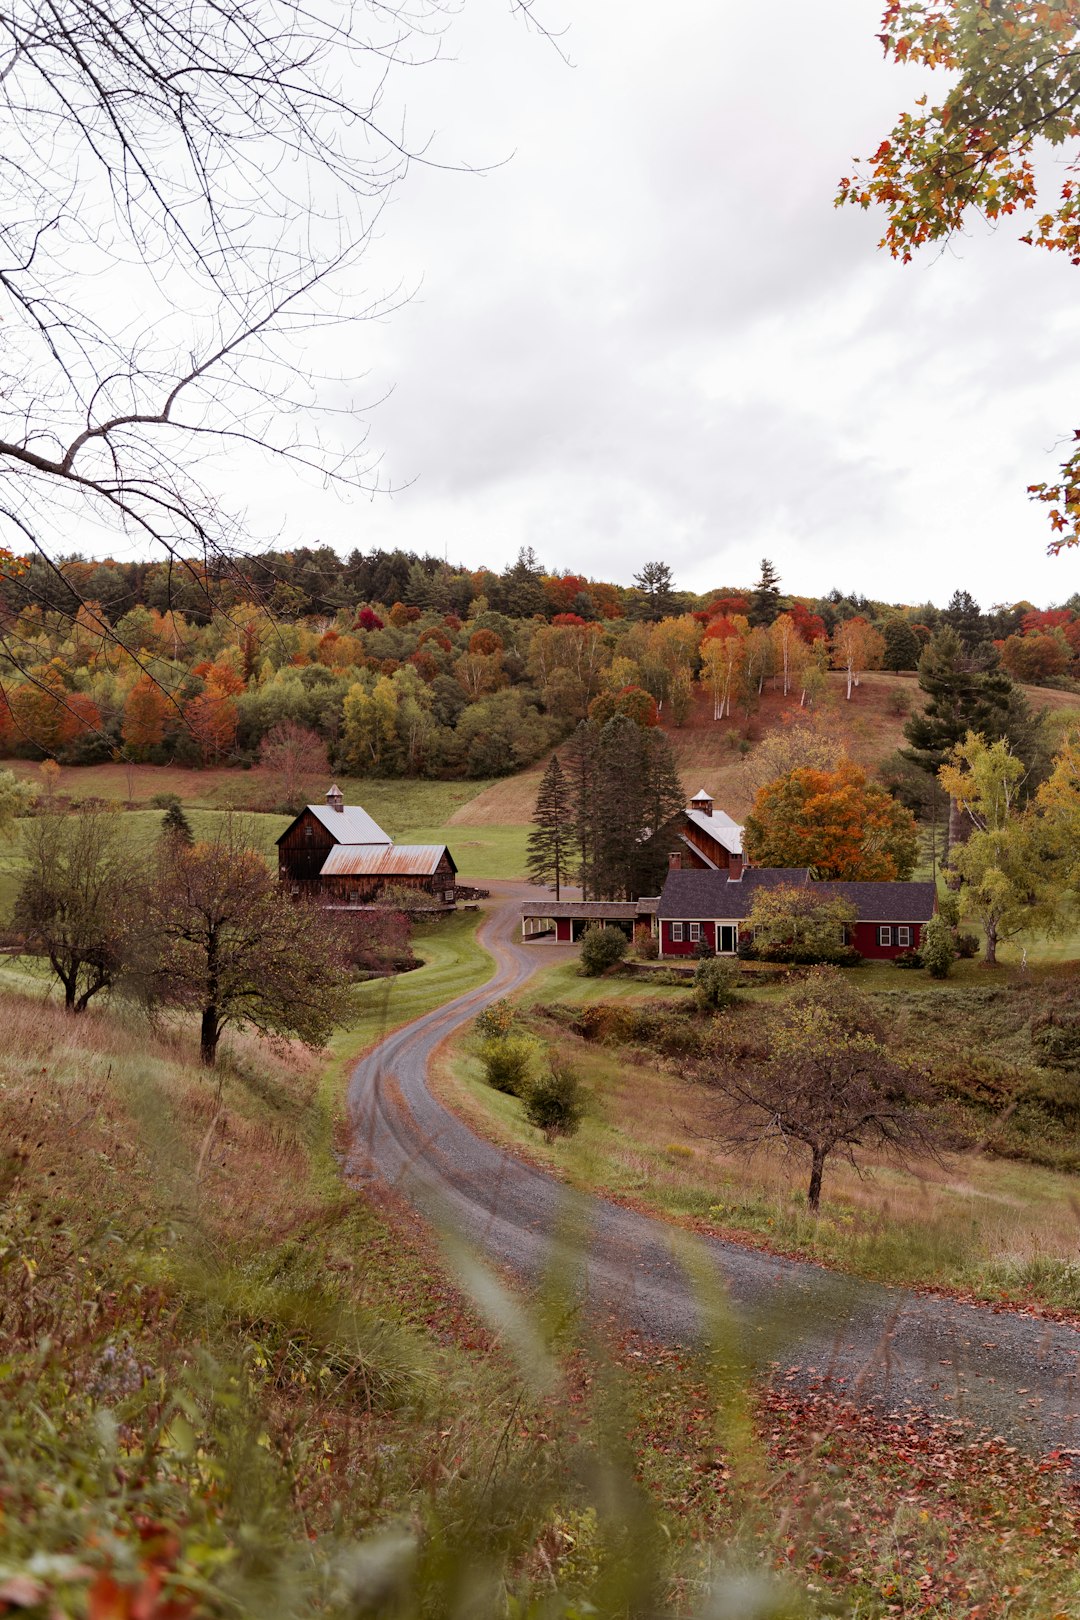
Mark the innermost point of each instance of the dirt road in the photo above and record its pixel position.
(1004, 1372)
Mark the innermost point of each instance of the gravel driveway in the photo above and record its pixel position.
(1004, 1372)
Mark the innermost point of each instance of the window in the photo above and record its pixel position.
(695, 932)
(676, 933)
(903, 937)
(884, 935)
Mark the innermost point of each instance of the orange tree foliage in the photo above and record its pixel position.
(146, 712)
(632, 701)
(211, 719)
(835, 822)
(1014, 87)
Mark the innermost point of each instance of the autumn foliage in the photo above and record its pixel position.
(837, 823)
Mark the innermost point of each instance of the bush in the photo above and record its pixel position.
(508, 1064)
(715, 983)
(165, 801)
(601, 948)
(646, 944)
(908, 959)
(967, 946)
(555, 1103)
(938, 948)
(839, 956)
(495, 1021)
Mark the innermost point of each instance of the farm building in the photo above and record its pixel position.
(713, 907)
(708, 839)
(566, 920)
(338, 854)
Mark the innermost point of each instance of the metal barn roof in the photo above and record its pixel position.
(384, 860)
(727, 833)
(351, 825)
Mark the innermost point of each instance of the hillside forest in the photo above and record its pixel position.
(401, 665)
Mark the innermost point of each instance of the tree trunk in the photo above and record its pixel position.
(813, 1197)
(990, 953)
(209, 1036)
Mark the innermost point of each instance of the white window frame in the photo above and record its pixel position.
(721, 929)
(676, 933)
(695, 933)
(884, 934)
(903, 936)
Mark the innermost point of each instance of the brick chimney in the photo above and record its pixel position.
(336, 799)
(735, 867)
(675, 861)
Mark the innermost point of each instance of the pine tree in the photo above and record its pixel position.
(550, 839)
(765, 603)
(964, 697)
(175, 825)
(964, 615)
(901, 645)
(656, 582)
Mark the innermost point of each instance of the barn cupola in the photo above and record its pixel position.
(335, 799)
(703, 802)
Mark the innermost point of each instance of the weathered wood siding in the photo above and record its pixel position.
(303, 848)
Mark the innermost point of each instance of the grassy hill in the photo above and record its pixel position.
(486, 823)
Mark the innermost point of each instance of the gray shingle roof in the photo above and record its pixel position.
(705, 896)
(700, 896)
(886, 902)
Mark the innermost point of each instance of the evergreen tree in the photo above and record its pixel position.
(550, 839)
(964, 697)
(902, 649)
(765, 602)
(964, 615)
(175, 825)
(627, 797)
(520, 591)
(656, 583)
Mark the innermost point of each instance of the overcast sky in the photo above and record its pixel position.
(649, 334)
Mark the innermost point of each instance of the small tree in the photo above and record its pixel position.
(938, 949)
(601, 948)
(232, 947)
(801, 920)
(716, 982)
(176, 826)
(822, 1078)
(77, 902)
(295, 755)
(555, 1103)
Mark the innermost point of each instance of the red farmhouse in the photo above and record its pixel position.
(713, 907)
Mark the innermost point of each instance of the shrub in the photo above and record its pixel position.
(715, 984)
(938, 948)
(601, 948)
(908, 959)
(508, 1064)
(555, 1103)
(803, 956)
(646, 944)
(165, 801)
(967, 946)
(496, 1021)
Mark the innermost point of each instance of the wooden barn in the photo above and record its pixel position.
(341, 856)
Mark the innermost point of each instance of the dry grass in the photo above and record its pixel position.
(708, 751)
(992, 1226)
(121, 1119)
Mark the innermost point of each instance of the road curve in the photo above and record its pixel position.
(1001, 1371)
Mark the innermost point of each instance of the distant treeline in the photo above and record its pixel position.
(394, 664)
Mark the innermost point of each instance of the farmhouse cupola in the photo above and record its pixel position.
(702, 801)
(335, 799)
